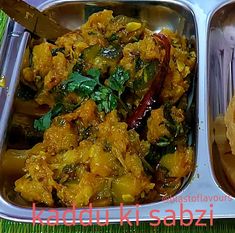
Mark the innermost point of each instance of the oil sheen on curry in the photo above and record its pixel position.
(101, 115)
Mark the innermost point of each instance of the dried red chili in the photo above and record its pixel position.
(134, 121)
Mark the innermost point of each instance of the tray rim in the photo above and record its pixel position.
(212, 187)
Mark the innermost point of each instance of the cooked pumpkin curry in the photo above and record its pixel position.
(104, 112)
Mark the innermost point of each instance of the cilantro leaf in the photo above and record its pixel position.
(117, 80)
(105, 99)
(95, 74)
(91, 87)
(44, 122)
(83, 85)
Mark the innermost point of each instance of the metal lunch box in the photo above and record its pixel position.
(196, 19)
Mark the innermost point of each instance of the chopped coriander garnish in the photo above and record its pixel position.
(117, 80)
(79, 84)
(105, 99)
(44, 122)
(90, 86)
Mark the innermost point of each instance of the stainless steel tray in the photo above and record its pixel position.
(192, 18)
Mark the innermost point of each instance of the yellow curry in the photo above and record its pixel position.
(82, 91)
